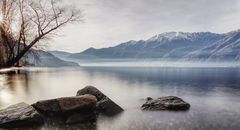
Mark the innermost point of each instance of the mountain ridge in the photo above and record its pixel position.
(46, 59)
(166, 45)
(172, 45)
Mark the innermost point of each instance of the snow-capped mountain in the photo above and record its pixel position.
(165, 45)
(227, 49)
(173, 45)
(170, 36)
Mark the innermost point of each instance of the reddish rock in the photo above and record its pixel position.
(66, 105)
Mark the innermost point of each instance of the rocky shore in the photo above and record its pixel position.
(82, 108)
(85, 107)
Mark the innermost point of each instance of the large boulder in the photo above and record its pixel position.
(19, 115)
(66, 105)
(166, 103)
(104, 104)
(81, 103)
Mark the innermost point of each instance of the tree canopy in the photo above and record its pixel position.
(26, 23)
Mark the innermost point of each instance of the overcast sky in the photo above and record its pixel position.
(110, 22)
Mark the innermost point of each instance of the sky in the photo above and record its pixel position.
(107, 23)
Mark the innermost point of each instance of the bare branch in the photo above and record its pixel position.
(28, 22)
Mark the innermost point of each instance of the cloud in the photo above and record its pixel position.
(109, 22)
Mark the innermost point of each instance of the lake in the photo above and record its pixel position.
(212, 91)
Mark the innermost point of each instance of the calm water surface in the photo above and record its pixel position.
(214, 94)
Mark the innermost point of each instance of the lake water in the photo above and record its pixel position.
(213, 92)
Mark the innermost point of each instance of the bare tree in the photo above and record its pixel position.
(25, 23)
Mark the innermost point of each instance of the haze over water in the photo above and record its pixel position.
(213, 92)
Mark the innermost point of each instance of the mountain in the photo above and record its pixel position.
(60, 54)
(46, 59)
(170, 45)
(226, 49)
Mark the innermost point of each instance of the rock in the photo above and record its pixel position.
(104, 104)
(92, 91)
(48, 107)
(166, 103)
(149, 98)
(19, 115)
(66, 105)
(78, 103)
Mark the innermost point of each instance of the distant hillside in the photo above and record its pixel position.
(46, 59)
(199, 46)
(60, 54)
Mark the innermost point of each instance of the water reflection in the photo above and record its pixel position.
(212, 92)
(200, 79)
(13, 83)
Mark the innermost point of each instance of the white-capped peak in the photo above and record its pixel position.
(169, 36)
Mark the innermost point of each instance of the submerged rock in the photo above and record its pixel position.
(19, 115)
(166, 103)
(81, 118)
(67, 105)
(104, 104)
